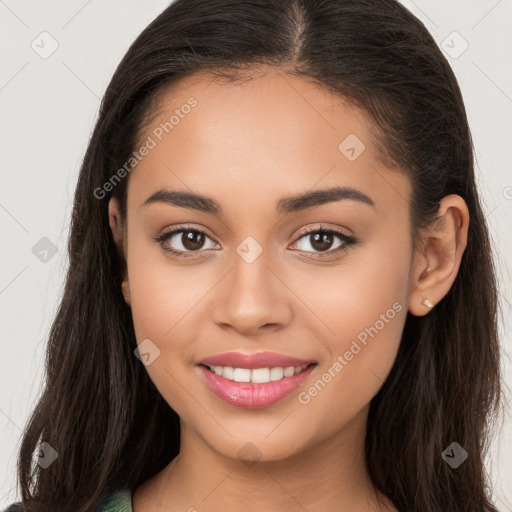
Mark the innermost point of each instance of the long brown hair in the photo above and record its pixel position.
(100, 411)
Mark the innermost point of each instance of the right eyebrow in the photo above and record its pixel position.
(185, 200)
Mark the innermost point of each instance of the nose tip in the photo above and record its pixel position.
(253, 300)
(247, 322)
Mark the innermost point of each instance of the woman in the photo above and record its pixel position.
(281, 294)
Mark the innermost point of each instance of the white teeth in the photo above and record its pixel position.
(260, 375)
(242, 375)
(288, 372)
(257, 375)
(276, 374)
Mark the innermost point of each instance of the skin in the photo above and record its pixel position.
(247, 146)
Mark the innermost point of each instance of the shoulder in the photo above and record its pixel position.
(120, 501)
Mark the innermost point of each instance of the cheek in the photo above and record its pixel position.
(165, 302)
(161, 293)
(363, 308)
(365, 284)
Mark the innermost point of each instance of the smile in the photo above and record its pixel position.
(254, 388)
(257, 375)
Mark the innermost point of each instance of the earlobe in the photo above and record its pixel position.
(437, 263)
(126, 291)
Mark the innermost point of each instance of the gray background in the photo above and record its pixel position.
(49, 104)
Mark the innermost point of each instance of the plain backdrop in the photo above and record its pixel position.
(57, 58)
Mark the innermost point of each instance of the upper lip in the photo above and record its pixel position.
(257, 360)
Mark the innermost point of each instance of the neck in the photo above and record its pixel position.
(331, 475)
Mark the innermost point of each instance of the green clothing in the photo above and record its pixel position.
(120, 501)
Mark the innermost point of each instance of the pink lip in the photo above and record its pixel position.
(250, 394)
(251, 361)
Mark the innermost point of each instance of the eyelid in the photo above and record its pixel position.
(347, 240)
(187, 227)
(324, 228)
(169, 233)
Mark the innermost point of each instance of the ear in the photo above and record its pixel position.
(437, 261)
(119, 234)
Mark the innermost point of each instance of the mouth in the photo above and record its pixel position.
(256, 375)
(254, 387)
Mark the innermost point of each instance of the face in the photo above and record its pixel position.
(324, 279)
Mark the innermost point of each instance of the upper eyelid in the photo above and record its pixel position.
(305, 232)
(177, 229)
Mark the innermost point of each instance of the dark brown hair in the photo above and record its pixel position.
(100, 411)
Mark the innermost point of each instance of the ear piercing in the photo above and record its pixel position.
(427, 303)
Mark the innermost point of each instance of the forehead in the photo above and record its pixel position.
(269, 134)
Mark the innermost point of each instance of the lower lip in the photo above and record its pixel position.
(250, 394)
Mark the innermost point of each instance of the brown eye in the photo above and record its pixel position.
(192, 240)
(184, 242)
(322, 241)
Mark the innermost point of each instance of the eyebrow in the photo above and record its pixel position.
(284, 206)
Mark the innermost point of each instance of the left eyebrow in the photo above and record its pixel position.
(320, 197)
(284, 206)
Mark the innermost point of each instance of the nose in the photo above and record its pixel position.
(252, 298)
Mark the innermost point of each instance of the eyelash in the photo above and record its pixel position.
(348, 241)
